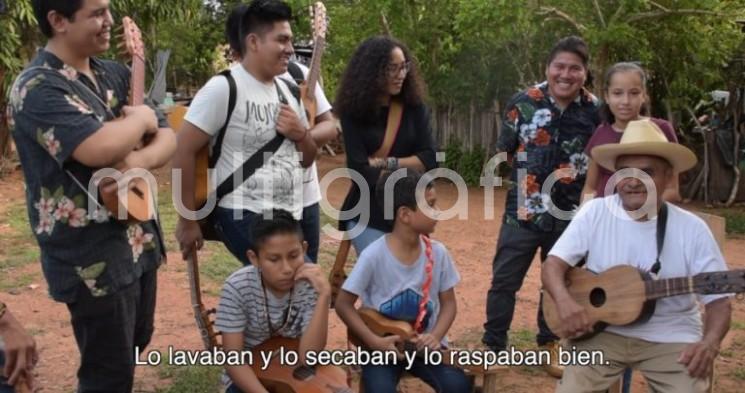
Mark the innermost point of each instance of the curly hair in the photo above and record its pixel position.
(365, 80)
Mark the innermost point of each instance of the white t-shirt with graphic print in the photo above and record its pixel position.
(278, 183)
(394, 289)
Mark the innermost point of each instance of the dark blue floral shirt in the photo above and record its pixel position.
(543, 138)
(53, 109)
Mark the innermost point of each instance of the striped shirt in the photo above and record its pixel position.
(244, 308)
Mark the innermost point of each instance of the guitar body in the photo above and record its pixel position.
(383, 326)
(278, 378)
(201, 165)
(139, 202)
(614, 297)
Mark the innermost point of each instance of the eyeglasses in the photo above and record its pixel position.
(393, 70)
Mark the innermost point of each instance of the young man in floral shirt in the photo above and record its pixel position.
(69, 120)
(545, 129)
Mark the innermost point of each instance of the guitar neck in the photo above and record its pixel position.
(315, 67)
(137, 82)
(702, 283)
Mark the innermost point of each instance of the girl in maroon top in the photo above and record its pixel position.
(625, 100)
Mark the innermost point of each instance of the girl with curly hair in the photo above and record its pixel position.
(381, 70)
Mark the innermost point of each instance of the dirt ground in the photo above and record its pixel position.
(471, 242)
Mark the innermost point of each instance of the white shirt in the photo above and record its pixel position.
(604, 229)
(311, 188)
(275, 185)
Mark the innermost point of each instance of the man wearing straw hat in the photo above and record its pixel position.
(673, 349)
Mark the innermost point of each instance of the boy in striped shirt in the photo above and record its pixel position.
(277, 295)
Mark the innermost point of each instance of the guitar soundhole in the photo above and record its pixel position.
(597, 297)
(303, 373)
(138, 192)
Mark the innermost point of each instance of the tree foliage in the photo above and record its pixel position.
(469, 51)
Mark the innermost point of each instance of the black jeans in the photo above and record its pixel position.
(515, 251)
(237, 237)
(107, 330)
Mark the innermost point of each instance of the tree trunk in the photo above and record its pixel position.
(4, 130)
(736, 102)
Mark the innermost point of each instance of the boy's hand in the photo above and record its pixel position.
(314, 274)
(387, 343)
(427, 340)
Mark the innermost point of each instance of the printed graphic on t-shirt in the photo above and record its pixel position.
(261, 118)
(405, 306)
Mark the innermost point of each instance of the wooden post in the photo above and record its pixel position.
(717, 225)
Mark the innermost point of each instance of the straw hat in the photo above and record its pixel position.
(643, 137)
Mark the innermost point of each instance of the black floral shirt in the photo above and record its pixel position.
(53, 109)
(543, 138)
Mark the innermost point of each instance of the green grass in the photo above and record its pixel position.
(734, 216)
(218, 264)
(9, 282)
(737, 325)
(168, 219)
(19, 246)
(190, 379)
(739, 373)
(735, 221)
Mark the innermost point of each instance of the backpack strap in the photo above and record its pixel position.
(294, 89)
(296, 72)
(254, 162)
(393, 124)
(217, 149)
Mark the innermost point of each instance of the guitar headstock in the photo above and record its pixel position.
(732, 281)
(320, 21)
(132, 38)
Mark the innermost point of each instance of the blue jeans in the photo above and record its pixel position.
(235, 232)
(368, 235)
(4, 387)
(237, 237)
(311, 224)
(442, 378)
(516, 248)
(626, 380)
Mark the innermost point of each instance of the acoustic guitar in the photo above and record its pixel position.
(623, 295)
(135, 202)
(279, 378)
(308, 87)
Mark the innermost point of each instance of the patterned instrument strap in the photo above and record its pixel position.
(426, 285)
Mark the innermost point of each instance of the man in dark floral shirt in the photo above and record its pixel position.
(545, 130)
(65, 110)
